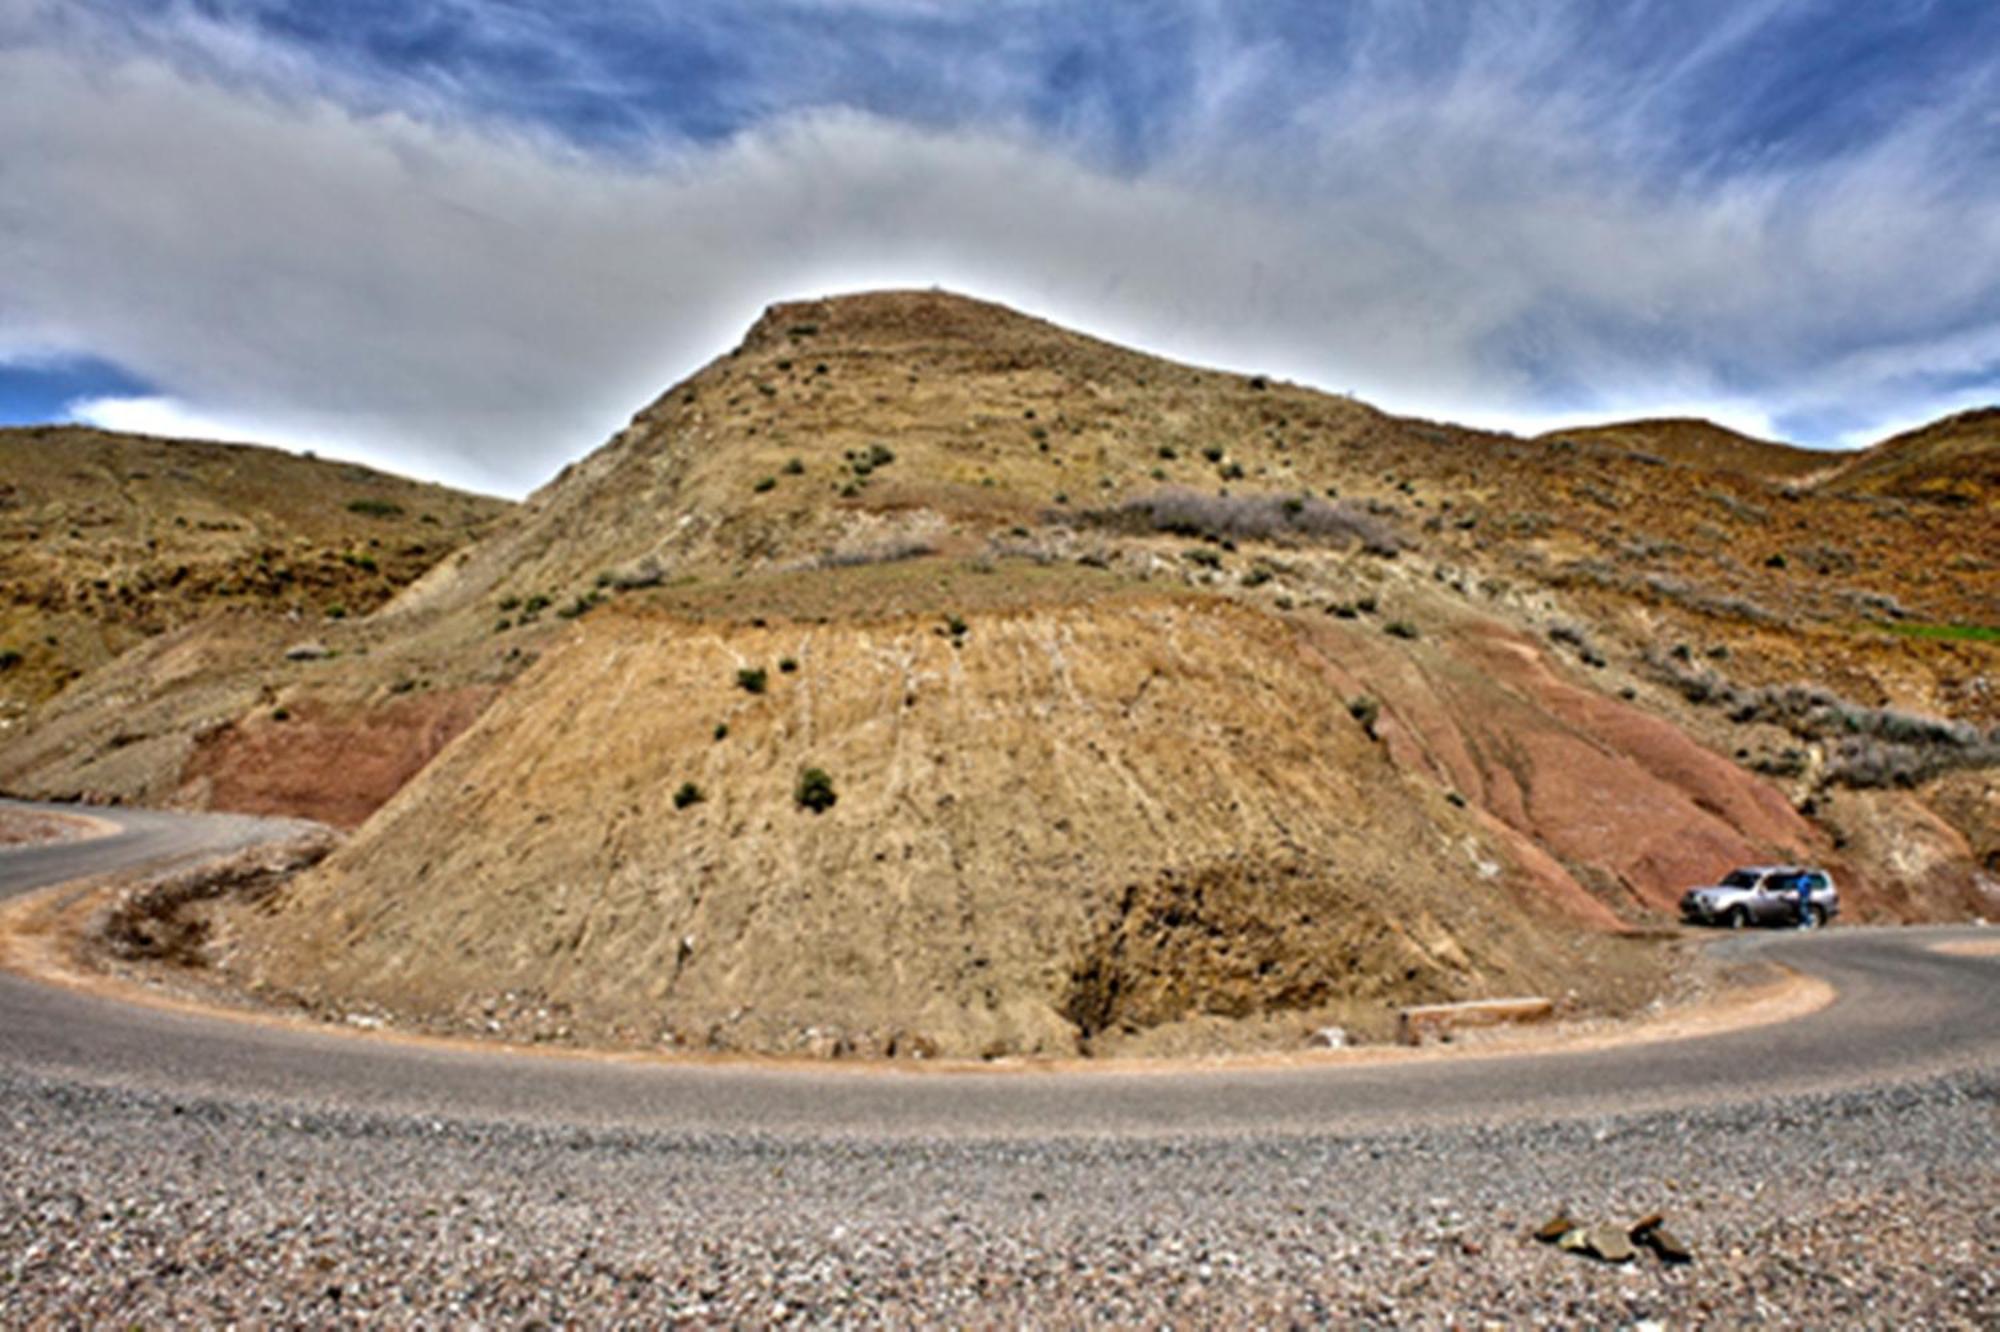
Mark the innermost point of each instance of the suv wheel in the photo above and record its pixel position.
(1815, 917)
(1737, 918)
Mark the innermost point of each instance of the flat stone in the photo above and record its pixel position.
(1611, 1244)
(1649, 1222)
(307, 652)
(1556, 1227)
(1667, 1245)
(1329, 1038)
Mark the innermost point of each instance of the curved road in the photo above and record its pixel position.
(1904, 1012)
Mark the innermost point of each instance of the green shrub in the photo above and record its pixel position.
(752, 679)
(688, 794)
(955, 625)
(375, 508)
(1212, 452)
(786, 665)
(765, 483)
(815, 790)
(336, 612)
(1202, 556)
(535, 605)
(722, 730)
(1168, 453)
(510, 603)
(9, 659)
(1400, 629)
(880, 455)
(795, 467)
(1366, 711)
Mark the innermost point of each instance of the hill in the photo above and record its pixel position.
(108, 539)
(1955, 461)
(1157, 706)
(1699, 444)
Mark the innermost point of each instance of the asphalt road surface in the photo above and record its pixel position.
(1904, 1013)
(160, 1168)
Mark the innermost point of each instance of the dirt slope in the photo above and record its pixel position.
(1061, 824)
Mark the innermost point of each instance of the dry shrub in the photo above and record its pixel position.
(890, 551)
(1300, 518)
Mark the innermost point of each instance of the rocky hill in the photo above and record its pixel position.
(922, 677)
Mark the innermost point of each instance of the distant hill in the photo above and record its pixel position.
(107, 539)
(1955, 461)
(1702, 444)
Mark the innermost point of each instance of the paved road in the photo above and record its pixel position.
(1904, 1013)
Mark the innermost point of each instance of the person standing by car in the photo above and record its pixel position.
(1802, 887)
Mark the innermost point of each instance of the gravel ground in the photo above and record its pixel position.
(1868, 1209)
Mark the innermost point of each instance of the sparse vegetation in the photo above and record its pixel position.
(1366, 711)
(1251, 518)
(721, 731)
(786, 665)
(753, 679)
(688, 794)
(880, 552)
(375, 508)
(765, 483)
(815, 791)
(1400, 629)
(1866, 746)
(9, 659)
(795, 467)
(1962, 633)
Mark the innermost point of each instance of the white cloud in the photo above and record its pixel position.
(482, 305)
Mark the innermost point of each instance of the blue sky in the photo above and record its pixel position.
(467, 239)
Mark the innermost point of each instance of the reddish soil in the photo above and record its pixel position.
(326, 762)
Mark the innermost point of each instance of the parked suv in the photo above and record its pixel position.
(1762, 895)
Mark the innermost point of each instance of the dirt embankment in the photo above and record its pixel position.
(1056, 829)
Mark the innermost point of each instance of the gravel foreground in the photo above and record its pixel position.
(1877, 1208)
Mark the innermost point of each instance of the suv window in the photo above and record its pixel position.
(1818, 882)
(1739, 879)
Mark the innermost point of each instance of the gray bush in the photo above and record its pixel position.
(1251, 518)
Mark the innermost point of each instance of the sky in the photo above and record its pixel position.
(467, 239)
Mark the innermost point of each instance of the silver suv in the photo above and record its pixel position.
(1763, 895)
